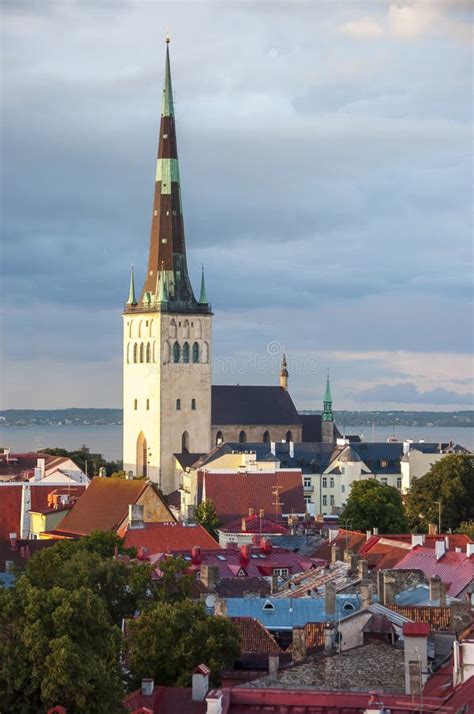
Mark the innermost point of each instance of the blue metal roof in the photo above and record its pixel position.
(420, 595)
(286, 613)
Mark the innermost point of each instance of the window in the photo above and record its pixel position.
(186, 352)
(193, 405)
(219, 438)
(135, 403)
(242, 437)
(176, 352)
(266, 437)
(282, 572)
(307, 499)
(195, 353)
(135, 352)
(178, 405)
(331, 501)
(185, 441)
(148, 352)
(289, 437)
(148, 404)
(307, 482)
(325, 482)
(399, 482)
(383, 464)
(269, 605)
(343, 489)
(331, 482)
(383, 481)
(349, 607)
(142, 352)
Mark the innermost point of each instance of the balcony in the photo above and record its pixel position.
(308, 489)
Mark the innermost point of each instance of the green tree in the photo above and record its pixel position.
(206, 515)
(58, 646)
(449, 481)
(467, 527)
(175, 583)
(170, 639)
(372, 504)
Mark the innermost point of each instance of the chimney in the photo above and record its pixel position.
(469, 549)
(363, 569)
(446, 540)
(298, 647)
(196, 556)
(368, 534)
(417, 539)
(376, 531)
(9, 565)
(330, 599)
(266, 545)
(37, 474)
(209, 576)
(215, 702)
(434, 585)
(273, 448)
(251, 512)
(388, 589)
(432, 529)
(291, 449)
(273, 665)
(200, 683)
(415, 636)
(40, 464)
(274, 584)
(335, 553)
(13, 543)
(148, 685)
(135, 516)
(220, 607)
(328, 638)
(440, 549)
(261, 513)
(243, 525)
(365, 595)
(245, 552)
(332, 534)
(354, 562)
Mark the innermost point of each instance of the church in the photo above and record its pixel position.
(171, 411)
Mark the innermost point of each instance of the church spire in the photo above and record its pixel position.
(131, 293)
(203, 296)
(167, 247)
(327, 402)
(284, 372)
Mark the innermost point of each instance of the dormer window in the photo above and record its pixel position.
(268, 605)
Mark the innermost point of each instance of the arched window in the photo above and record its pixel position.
(242, 437)
(185, 441)
(135, 352)
(266, 438)
(173, 328)
(135, 404)
(186, 352)
(176, 352)
(148, 352)
(193, 405)
(142, 352)
(289, 437)
(140, 328)
(205, 353)
(178, 405)
(142, 455)
(195, 353)
(219, 438)
(197, 329)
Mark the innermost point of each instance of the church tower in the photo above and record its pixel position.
(327, 418)
(167, 335)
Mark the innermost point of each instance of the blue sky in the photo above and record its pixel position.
(326, 171)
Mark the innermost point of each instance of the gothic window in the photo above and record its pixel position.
(142, 352)
(186, 352)
(135, 404)
(178, 405)
(186, 329)
(242, 437)
(185, 441)
(198, 329)
(152, 325)
(219, 438)
(140, 328)
(205, 353)
(289, 437)
(135, 352)
(195, 353)
(172, 328)
(193, 405)
(148, 404)
(148, 352)
(176, 352)
(266, 438)
(130, 328)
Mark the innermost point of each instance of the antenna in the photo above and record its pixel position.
(277, 502)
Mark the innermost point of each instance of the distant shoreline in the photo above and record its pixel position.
(346, 419)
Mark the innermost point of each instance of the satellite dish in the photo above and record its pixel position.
(210, 601)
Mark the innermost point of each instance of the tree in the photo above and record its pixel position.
(206, 515)
(372, 504)
(449, 481)
(58, 646)
(467, 527)
(175, 583)
(170, 639)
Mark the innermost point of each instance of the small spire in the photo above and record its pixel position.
(203, 296)
(284, 372)
(131, 293)
(327, 402)
(167, 108)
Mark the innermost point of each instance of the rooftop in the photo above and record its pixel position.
(256, 405)
(168, 538)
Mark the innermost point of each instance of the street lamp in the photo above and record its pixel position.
(439, 516)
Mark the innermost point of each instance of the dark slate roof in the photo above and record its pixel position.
(312, 427)
(434, 448)
(373, 454)
(235, 404)
(308, 457)
(185, 459)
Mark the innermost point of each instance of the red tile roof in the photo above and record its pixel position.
(165, 700)
(102, 507)
(416, 629)
(233, 494)
(254, 637)
(438, 618)
(10, 503)
(350, 540)
(255, 524)
(169, 538)
(456, 570)
(24, 549)
(383, 553)
(452, 540)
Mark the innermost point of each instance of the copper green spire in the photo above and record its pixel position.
(203, 297)
(167, 108)
(131, 293)
(327, 402)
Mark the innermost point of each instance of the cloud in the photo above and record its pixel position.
(408, 393)
(364, 27)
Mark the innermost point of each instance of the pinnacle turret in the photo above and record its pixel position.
(131, 293)
(203, 296)
(327, 403)
(284, 372)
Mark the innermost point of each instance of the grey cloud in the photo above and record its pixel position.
(408, 393)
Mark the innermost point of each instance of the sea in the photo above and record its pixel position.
(107, 440)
